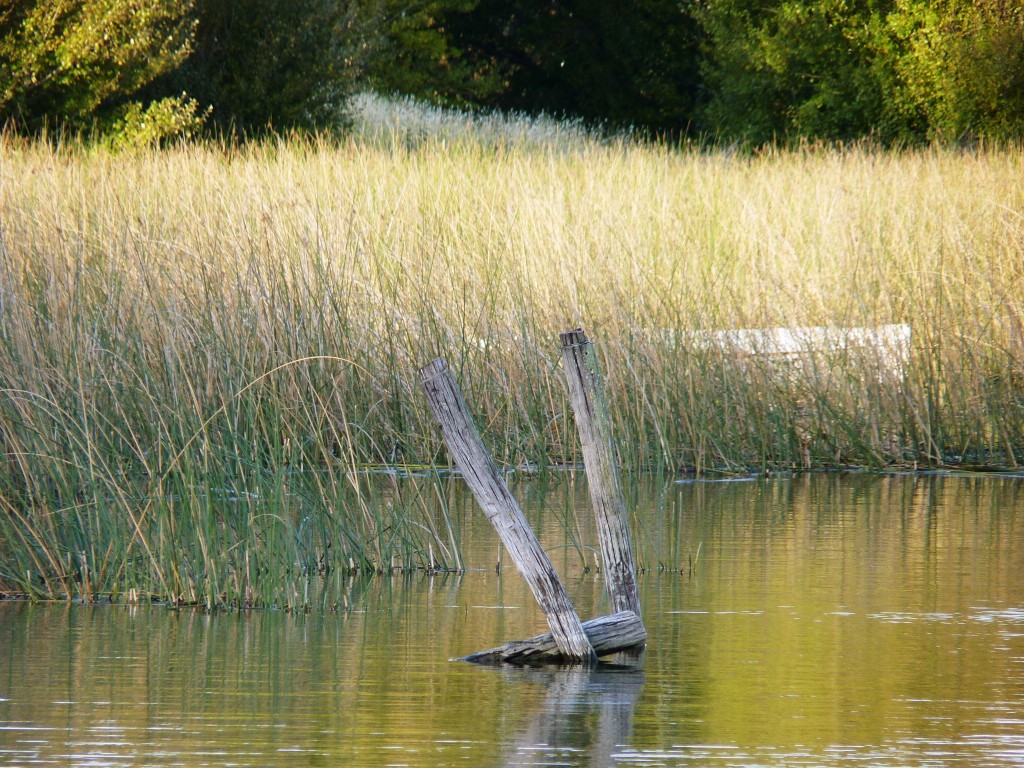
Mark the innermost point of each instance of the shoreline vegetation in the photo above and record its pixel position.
(206, 349)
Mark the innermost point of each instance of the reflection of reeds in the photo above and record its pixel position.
(203, 348)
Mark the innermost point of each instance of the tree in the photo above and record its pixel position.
(632, 65)
(422, 53)
(276, 64)
(958, 69)
(80, 64)
(901, 71)
(794, 68)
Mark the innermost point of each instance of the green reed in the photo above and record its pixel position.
(204, 350)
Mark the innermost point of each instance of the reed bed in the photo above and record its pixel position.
(206, 351)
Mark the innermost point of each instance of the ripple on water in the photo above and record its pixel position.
(828, 622)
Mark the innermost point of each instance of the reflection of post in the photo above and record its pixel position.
(564, 723)
(586, 393)
(500, 506)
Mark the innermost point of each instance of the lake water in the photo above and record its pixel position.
(847, 620)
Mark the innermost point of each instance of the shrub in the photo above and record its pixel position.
(76, 62)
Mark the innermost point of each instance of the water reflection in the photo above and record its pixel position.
(811, 621)
(585, 717)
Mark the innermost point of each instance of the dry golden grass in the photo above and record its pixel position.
(208, 315)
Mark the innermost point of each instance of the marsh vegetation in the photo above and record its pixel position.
(207, 348)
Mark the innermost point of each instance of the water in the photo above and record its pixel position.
(823, 621)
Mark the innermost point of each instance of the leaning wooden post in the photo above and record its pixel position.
(491, 492)
(586, 394)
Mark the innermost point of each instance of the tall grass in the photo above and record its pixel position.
(404, 121)
(203, 348)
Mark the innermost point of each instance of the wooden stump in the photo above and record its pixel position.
(586, 394)
(481, 474)
(607, 635)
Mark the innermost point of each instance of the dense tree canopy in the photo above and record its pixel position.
(78, 63)
(899, 71)
(633, 65)
(278, 64)
(418, 53)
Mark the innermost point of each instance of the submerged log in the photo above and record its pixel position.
(607, 635)
(586, 394)
(491, 492)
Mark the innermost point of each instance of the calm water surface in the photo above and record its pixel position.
(822, 621)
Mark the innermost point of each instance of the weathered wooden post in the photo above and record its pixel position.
(491, 492)
(586, 394)
(607, 634)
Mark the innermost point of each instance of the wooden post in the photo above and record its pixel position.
(607, 634)
(491, 492)
(586, 394)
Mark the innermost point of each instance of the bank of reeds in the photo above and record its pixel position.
(203, 349)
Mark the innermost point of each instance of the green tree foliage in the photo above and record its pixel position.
(958, 69)
(902, 71)
(794, 68)
(80, 63)
(898, 70)
(633, 64)
(596, 59)
(419, 54)
(280, 64)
